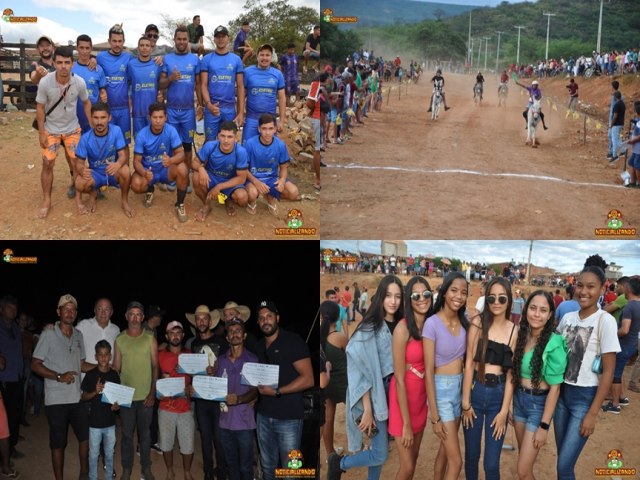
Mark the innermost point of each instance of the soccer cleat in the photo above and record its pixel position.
(182, 216)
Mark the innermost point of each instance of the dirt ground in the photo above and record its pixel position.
(21, 197)
(469, 174)
(612, 431)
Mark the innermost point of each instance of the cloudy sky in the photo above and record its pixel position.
(564, 256)
(65, 20)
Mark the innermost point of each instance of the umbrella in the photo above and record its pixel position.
(430, 256)
(446, 261)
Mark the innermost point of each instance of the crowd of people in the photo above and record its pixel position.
(76, 362)
(418, 355)
(94, 107)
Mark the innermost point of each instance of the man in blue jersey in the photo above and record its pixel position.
(114, 63)
(94, 78)
(221, 72)
(268, 166)
(144, 76)
(101, 161)
(159, 158)
(264, 85)
(220, 172)
(241, 44)
(181, 76)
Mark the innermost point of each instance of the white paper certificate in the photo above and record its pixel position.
(170, 387)
(210, 388)
(193, 363)
(114, 392)
(256, 374)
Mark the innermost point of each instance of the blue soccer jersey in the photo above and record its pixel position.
(240, 39)
(180, 92)
(262, 86)
(152, 147)
(222, 166)
(115, 69)
(95, 80)
(144, 77)
(265, 160)
(222, 71)
(99, 151)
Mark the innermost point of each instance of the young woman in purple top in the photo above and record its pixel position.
(444, 343)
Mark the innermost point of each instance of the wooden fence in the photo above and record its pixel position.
(14, 59)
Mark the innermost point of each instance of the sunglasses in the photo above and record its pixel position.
(415, 296)
(502, 299)
(153, 35)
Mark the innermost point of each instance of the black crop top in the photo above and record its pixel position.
(497, 353)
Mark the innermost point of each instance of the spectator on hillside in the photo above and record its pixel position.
(616, 123)
(196, 36)
(312, 49)
(573, 95)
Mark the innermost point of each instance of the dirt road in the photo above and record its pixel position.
(469, 175)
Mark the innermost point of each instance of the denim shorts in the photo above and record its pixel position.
(449, 396)
(528, 409)
(622, 358)
(634, 161)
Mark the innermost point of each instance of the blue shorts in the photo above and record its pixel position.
(227, 191)
(449, 396)
(528, 409)
(184, 121)
(139, 123)
(333, 116)
(101, 179)
(250, 129)
(271, 181)
(634, 161)
(212, 122)
(160, 173)
(122, 118)
(622, 358)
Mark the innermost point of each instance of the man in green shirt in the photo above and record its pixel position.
(615, 307)
(196, 36)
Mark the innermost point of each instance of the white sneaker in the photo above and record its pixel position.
(626, 178)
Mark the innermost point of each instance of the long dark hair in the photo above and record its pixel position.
(374, 318)
(408, 308)
(541, 343)
(443, 292)
(329, 314)
(487, 318)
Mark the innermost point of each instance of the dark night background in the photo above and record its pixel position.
(177, 276)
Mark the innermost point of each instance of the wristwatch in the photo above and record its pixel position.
(278, 394)
(58, 377)
(544, 426)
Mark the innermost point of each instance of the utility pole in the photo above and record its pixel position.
(546, 52)
(599, 27)
(519, 27)
(470, 48)
(498, 54)
(527, 279)
(479, 51)
(486, 46)
(473, 40)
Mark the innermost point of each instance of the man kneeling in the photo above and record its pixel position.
(96, 161)
(159, 158)
(220, 172)
(268, 167)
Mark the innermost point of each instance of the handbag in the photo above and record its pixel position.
(312, 401)
(596, 366)
(64, 93)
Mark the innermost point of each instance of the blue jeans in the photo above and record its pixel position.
(486, 403)
(614, 140)
(573, 404)
(130, 418)
(208, 415)
(374, 458)
(106, 436)
(238, 453)
(276, 439)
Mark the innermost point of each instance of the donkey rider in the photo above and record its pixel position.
(535, 94)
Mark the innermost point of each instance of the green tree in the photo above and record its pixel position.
(168, 26)
(338, 44)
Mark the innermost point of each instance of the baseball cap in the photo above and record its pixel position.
(155, 310)
(220, 29)
(44, 37)
(174, 324)
(64, 299)
(535, 82)
(150, 27)
(135, 304)
(267, 304)
(265, 46)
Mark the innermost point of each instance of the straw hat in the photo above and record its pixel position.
(203, 309)
(244, 312)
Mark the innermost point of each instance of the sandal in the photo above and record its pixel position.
(252, 208)
(273, 209)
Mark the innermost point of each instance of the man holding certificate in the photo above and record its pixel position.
(174, 412)
(59, 358)
(237, 424)
(136, 358)
(281, 409)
